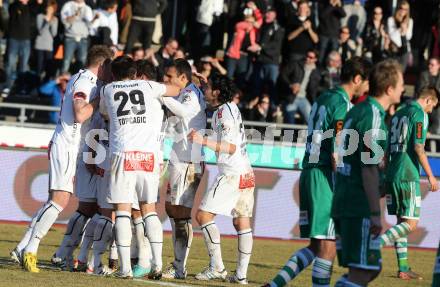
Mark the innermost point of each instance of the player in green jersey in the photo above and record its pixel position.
(406, 148)
(356, 208)
(316, 181)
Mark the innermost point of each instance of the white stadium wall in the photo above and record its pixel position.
(24, 184)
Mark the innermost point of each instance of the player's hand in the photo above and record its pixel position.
(376, 225)
(91, 168)
(200, 76)
(195, 137)
(433, 182)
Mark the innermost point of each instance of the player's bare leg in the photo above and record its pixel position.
(182, 239)
(398, 235)
(102, 237)
(58, 200)
(211, 234)
(143, 264)
(123, 238)
(154, 233)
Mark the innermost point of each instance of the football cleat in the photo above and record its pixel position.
(234, 279)
(209, 274)
(171, 272)
(155, 274)
(16, 256)
(30, 262)
(139, 271)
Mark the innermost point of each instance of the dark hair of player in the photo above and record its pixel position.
(147, 69)
(183, 67)
(226, 87)
(385, 74)
(123, 67)
(98, 54)
(107, 4)
(353, 67)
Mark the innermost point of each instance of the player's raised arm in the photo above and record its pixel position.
(82, 109)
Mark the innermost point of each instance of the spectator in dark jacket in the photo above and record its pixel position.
(431, 79)
(142, 22)
(301, 35)
(375, 36)
(300, 86)
(22, 18)
(329, 26)
(269, 53)
(330, 75)
(164, 57)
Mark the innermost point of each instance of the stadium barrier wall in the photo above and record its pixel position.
(24, 185)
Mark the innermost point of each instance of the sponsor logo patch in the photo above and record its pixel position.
(139, 161)
(247, 180)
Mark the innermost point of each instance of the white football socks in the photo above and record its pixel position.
(143, 245)
(245, 242)
(154, 233)
(88, 239)
(184, 236)
(123, 239)
(212, 241)
(27, 236)
(102, 237)
(44, 222)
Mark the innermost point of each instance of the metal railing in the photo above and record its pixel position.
(275, 129)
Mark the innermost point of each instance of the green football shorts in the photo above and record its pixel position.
(404, 199)
(316, 195)
(355, 246)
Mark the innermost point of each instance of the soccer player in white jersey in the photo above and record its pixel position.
(186, 164)
(232, 193)
(81, 225)
(76, 109)
(134, 111)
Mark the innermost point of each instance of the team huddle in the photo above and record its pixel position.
(108, 149)
(112, 121)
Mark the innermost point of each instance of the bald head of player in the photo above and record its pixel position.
(386, 82)
(179, 73)
(123, 68)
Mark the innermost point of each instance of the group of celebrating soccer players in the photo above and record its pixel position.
(107, 148)
(112, 121)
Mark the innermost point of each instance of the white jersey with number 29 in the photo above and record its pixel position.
(135, 115)
(228, 127)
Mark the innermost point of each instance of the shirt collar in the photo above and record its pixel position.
(374, 102)
(341, 91)
(87, 73)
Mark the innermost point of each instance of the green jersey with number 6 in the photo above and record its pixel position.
(408, 127)
(326, 119)
(364, 138)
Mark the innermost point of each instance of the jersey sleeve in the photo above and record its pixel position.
(102, 105)
(191, 103)
(226, 128)
(82, 89)
(158, 89)
(337, 123)
(420, 127)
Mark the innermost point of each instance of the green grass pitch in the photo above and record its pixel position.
(268, 256)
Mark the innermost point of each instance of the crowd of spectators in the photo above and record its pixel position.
(281, 53)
